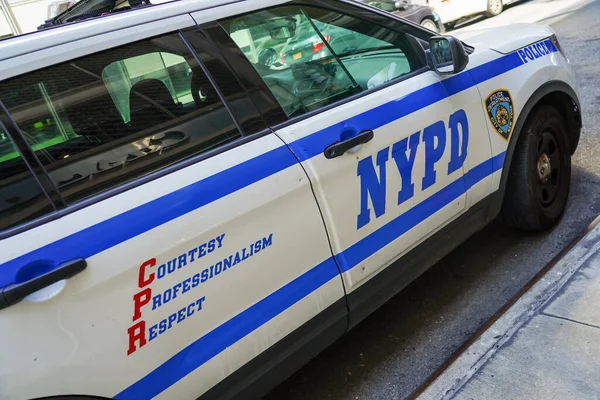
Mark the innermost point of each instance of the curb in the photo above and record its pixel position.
(449, 382)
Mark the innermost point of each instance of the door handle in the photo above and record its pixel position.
(12, 294)
(339, 148)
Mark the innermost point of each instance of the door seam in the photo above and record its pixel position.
(312, 189)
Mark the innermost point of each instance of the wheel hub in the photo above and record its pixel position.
(544, 167)
(495, 6)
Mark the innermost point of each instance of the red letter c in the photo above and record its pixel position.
(143, 281)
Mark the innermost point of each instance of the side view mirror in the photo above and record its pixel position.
(447, 54)
(401, 5)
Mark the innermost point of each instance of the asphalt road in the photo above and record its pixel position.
(395, 349)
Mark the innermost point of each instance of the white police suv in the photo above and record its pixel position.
(198, 197)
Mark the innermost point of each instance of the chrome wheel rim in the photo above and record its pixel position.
(495, 6)
(429, 25)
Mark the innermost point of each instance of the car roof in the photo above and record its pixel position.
(30, 42)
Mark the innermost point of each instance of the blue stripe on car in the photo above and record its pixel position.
(225, 335)
(220, 338)
(383, 236)
(118, 229)
(122, 227)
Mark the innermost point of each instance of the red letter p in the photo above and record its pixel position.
(140, 299)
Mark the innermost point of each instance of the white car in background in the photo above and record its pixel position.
(451, 11)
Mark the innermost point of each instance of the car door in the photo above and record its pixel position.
(383, 144)
(182, 224)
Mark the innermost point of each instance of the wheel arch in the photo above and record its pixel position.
(555, 93)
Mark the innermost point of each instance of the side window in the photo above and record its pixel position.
(288, 52)
(310, 57)
(21, 197)
(104, 119)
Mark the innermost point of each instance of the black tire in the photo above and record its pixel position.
(540, 174)
(494, 7)
(430, 24)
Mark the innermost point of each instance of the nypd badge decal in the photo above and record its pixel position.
(499, 106)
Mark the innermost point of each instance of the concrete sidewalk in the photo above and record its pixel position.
(546, 346)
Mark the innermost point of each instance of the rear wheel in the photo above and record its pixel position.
(540, 175)
(494, 7)
(429, 24)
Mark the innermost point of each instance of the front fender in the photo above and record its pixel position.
(558, 94)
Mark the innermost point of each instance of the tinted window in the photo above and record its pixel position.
(311, 57)
(21, 197)
(107, 118)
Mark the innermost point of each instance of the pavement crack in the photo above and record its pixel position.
(570, 320)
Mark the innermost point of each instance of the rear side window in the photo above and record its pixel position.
(21, 197)
(311, 57)
(105, 119)
(171, 69)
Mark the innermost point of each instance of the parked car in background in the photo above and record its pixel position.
(422, 15)
(452, 11)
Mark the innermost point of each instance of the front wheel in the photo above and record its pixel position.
(494, 7)
(431, 25)
(540, 175)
